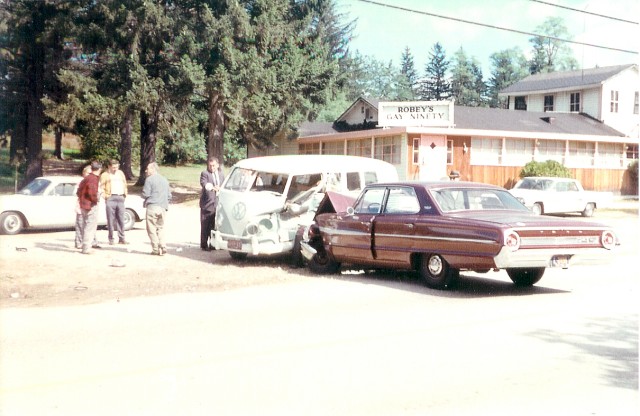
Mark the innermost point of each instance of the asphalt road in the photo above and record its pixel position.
(354, 344)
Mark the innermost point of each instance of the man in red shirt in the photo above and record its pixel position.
(88, 199)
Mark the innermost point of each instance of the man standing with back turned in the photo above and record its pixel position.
(210, 181)
(156, 194)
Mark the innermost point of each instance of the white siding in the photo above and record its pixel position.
(536, 103)
(626, 83)
(591, 102)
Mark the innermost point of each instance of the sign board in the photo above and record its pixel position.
(415, 114)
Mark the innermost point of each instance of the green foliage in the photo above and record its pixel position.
(546, 168)
(633, 172)
(508, 66)
(435, 85)
(549, 53)
(467, 87)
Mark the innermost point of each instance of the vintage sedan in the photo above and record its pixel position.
(550, 195)
(49, 202)
(441, 228)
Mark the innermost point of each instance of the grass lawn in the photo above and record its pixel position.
(187, 176)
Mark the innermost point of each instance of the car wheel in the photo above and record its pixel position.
(436, 272)
(238, 255)
(589, 210)
(296, 254)
(537, 208)
(11, 223)
(129, 219)
(525, 277)
(323, 263)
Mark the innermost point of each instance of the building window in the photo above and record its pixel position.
(309, 148)
(581, 154)
(632, 151)
(520, 103)
(614, 101)
(518, 152)
(548, 103)
(575, 102)
(361, 147)
(449, 152)
(610, 155)
(416, 151)
(333, 148)
(550, 150)
(486, 151)
(635, 104)
(388, 149)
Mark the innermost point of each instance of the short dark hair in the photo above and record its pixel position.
(113, 162)
(95, 165)
(213, 159)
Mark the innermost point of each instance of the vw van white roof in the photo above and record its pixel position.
(302, 164)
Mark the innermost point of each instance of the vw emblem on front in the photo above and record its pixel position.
(239, 211)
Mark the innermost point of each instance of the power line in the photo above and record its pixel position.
(455, 19)
(585, 12)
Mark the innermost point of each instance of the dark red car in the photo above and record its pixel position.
(441, 228)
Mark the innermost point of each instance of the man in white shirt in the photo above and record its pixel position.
(113, 185)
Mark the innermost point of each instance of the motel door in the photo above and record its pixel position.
(433, 158)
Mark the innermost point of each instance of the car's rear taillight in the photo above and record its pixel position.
(608, 240)
(512, 240)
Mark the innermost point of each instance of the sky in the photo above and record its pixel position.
(383, 32)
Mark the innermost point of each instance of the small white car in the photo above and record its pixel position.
(49, 202)
(551, 195)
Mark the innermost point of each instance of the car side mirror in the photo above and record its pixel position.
(350, 211)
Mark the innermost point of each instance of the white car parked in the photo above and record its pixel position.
(49, 202)
(550, 195)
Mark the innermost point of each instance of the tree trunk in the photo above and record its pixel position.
(148, 132)
(58, 140)
(216, 128)
(125, 144)
(35, 110)
(17, 147)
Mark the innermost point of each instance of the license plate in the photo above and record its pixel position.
(234, 245)
(560, 261)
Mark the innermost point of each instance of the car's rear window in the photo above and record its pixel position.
(460, 199)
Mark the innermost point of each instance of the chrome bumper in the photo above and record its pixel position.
(550, 257)
(307, 251)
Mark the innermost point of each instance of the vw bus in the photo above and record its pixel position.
(265, 200)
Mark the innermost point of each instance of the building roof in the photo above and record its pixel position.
(482, 118)
(496, 119)
(373, 102)
(565, 80)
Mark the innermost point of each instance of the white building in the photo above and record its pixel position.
(492, 145)
(608, 94)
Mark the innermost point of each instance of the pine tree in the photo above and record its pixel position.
(435, 85)
(467, 86)
(408, 70)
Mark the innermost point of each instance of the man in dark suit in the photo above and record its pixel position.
(210, 181)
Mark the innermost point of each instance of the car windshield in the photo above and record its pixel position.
(249, 180)
(35, 187)
(461, 199)
(535, 183)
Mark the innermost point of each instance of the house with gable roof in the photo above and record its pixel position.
(487, 145)
(608, 94)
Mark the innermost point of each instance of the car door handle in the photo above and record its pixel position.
(409, 225)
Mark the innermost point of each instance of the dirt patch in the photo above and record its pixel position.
(45, 269)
